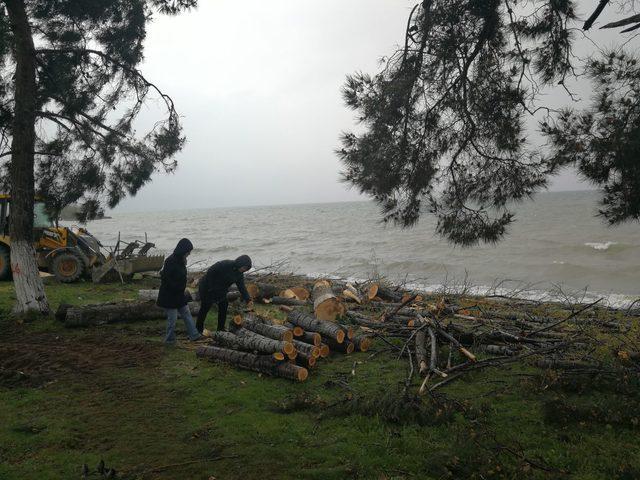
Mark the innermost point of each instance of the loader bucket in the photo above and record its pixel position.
(127, 266)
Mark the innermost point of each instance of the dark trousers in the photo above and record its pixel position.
(205, 306)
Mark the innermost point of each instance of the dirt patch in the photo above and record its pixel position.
(45, 357)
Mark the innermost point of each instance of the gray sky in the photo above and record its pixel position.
(258, 86)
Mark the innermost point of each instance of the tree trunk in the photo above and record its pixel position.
(312, 324)
(276, 332)
(249, 341)
(29, 288)
(326, 305)
(257, 363)
(114, 313)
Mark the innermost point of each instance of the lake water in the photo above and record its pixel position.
(556, 241)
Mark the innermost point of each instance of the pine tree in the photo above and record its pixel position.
(445, 120)
(70, 93)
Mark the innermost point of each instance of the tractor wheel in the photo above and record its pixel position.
(67, 267)
(5, 264)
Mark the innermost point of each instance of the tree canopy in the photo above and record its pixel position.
(445, 121)
(89, 92)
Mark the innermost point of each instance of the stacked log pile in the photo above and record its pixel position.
(287, 351)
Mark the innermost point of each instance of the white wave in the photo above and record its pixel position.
(600, 246)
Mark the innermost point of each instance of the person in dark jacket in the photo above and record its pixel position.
(172, 296)
(215, 284)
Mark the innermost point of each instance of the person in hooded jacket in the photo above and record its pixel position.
(215, 284)
(172, 296)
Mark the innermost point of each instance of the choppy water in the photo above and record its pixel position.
(556, 240)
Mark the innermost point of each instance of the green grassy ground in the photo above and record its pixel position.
(69, 397)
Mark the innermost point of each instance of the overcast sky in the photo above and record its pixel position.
(257, 84)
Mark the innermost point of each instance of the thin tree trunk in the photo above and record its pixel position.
(29, 288)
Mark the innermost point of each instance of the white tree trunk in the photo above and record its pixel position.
(26, 279)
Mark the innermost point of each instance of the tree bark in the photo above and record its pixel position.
(276, 332)
(305, 360)
(291, 302)
(257, 363)
(114, 313)
(344, 347)
(307, 322)
(306, 349)
(30, 294)
(262, 291)
(326, 305)
(249, 341)
(362, 342)
(312, 338)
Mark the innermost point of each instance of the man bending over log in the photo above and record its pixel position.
(215, 284)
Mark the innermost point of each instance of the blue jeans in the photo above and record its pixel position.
(172, 316)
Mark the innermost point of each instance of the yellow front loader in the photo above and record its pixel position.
(70, 254)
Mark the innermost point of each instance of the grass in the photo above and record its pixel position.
(114, 392)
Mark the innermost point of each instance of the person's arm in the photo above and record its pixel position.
(243, 290)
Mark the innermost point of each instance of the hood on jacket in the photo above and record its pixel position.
(243, 261)
(184, 246)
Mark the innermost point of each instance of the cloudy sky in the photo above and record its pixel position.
(258, 86)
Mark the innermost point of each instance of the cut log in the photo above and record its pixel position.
(292, 302)
(306, 349)
(344, 347)
(148, 295)
(122, 312)
(348, 330)
(297, 331)
(250, 343)
(264, 344)
(324, 350)
(326, 306)
(307, 322)
(351, 293)
(307, 361)
(297, 293)
(257, 363)
(276, 332)
(421, 351)
(312, 338)
(389, 295)
(372, 291)
(362, 342)
(408, 296)
(301, 293)
(262, 291)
